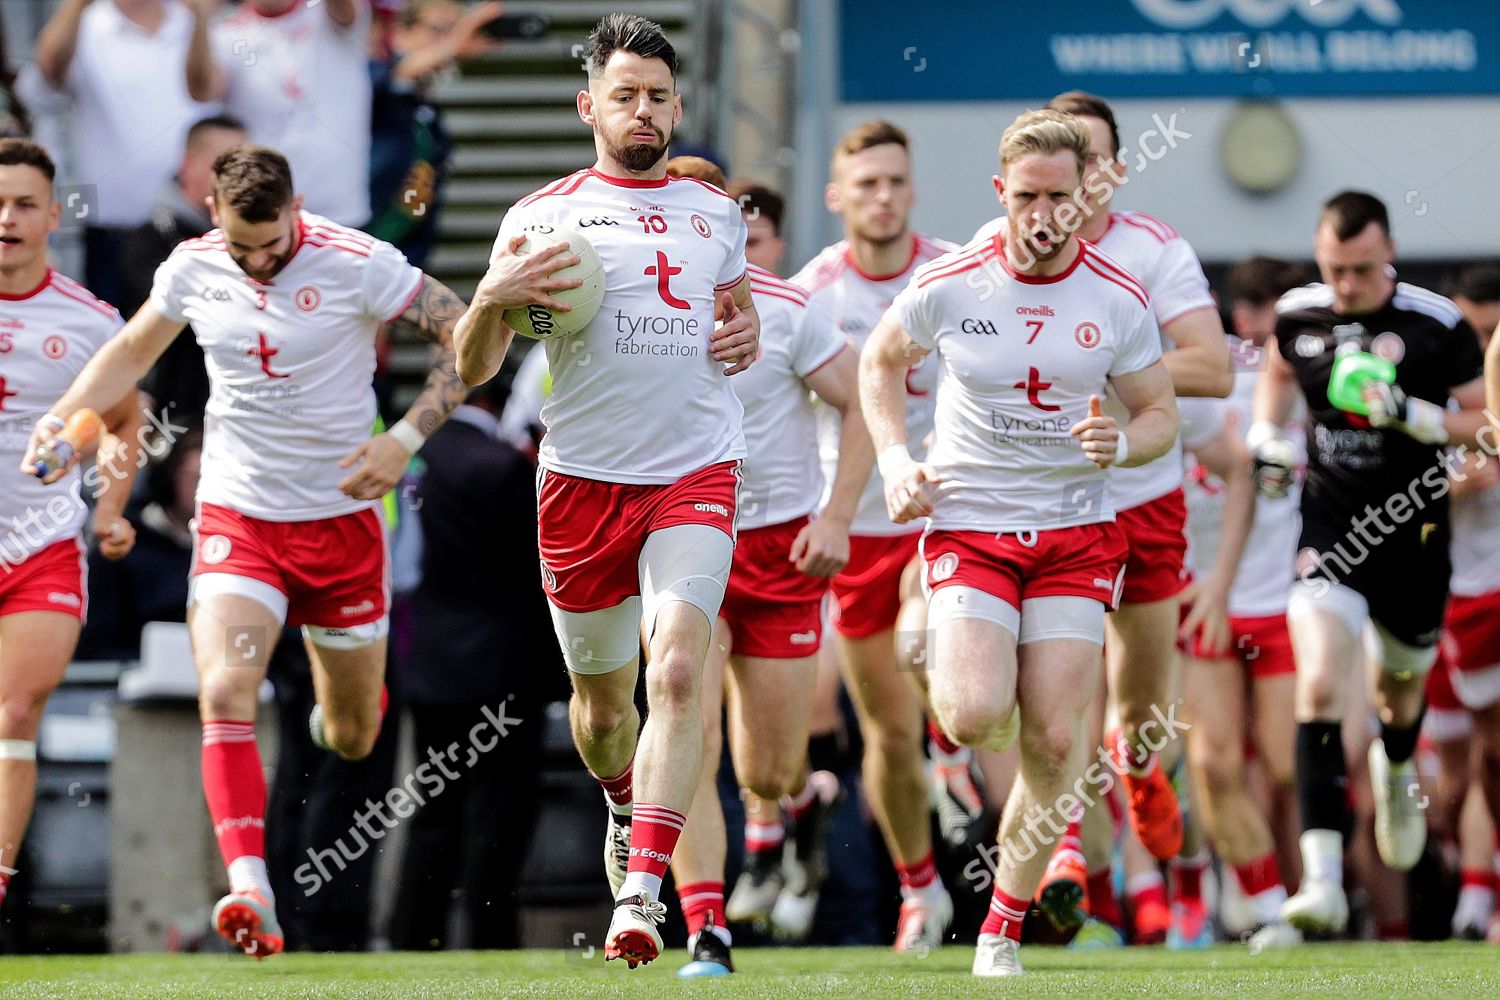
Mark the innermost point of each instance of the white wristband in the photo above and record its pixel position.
(1122, 448)
(411, 439)
(892, 459)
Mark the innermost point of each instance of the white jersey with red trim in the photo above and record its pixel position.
(1019, 359)
(856, 301)
(289, 363)
(781, 477)
(636, 397)
(46, 337)
(1263, 580)
(1475, 548)
(1160, 259)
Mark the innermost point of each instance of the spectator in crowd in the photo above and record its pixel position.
(297, 75)
(127, 117)
(409, 146)
(178, 380)
(151, 583)
(1476, 292)
(15, 122)
(482, 650)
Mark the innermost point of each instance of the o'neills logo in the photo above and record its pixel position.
(1034, 311)
(712, 508)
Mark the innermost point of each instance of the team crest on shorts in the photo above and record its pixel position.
(700, 226)
(1389, 346)
(54, 347)
(215, 549)
(549, 582)
(1087, 335)
(944, 567)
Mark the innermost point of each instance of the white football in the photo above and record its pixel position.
(541, 323)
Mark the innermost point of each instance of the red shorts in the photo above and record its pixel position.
(591, 532)
(1155, 534)
(1082, 561)
(54, 579)
(1262, 645)
(773, 610)
(333, 571)
(867, 593)
(1471, 645)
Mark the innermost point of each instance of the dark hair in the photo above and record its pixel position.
(1351, 211)
(25, 152)
(764, 202)
(255, 181)
(1477, 283)
(221, 121)
(630, 33)
(1260, 280)
(161, 476)
(1082, 104)
(697, 167)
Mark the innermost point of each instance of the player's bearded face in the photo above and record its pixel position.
(872, 190)
(634, 106)
(1042, 211)
(261, 249)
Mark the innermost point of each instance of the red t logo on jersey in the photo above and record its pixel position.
(664, 272)
(1034, 386)
(266, 352)
(5, 393)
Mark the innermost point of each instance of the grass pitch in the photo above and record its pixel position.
(1345, 970)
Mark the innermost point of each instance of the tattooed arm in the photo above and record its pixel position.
(381, 460)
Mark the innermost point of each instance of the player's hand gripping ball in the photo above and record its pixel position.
(540, 322)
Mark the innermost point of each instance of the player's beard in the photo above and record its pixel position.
(1026, 253)
(638, 157)
(270, 272)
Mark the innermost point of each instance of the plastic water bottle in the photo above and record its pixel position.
(81, 430)
(1350, 373)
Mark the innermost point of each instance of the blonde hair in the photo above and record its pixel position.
(1044, 132)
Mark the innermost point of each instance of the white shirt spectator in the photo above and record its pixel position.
(301, 85)
(128, 111)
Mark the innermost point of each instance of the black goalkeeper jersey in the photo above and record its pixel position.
(1349, 463)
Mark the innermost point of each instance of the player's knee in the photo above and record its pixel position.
(351, 740)
(770, 777)
(1218, 763)
(21, 712)
(225, 695)
(601, 715)
(672, 683)
(973, 725)
(1318, 694)
(1048, 744)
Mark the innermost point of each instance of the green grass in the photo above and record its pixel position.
(1352, 971)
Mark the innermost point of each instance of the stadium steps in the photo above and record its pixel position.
(515, 128)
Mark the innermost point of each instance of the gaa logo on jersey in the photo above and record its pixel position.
(1087, 335)
(308, 298)
(944, 566)
(700, 226)
(215, 549)
(54, 347)
(1389, 346)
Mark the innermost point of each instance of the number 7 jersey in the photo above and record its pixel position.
(1019, 357)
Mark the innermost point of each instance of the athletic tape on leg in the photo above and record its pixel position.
(17, 749)
(352, 637)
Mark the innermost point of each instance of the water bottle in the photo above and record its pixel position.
(81, 430)
(1350, 373)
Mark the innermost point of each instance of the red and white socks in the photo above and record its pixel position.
(1103, 903)
(1187, 877)
(234, 786)
(654, 830)
(618, 791)
(1260, 883)
(919, 880)
(703, 909)
(1005, 915)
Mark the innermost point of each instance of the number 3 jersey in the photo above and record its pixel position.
(1019, 356)
(636, 396)
(289, 363)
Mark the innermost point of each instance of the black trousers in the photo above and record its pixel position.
(467, 844)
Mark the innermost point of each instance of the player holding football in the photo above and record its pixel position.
(640, 462)
(770, 623)
(49, 328)
(1022, 556)
(1383, 470)
(877, 593)
(285, 305)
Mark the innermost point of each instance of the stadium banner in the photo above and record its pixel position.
(976, 50)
